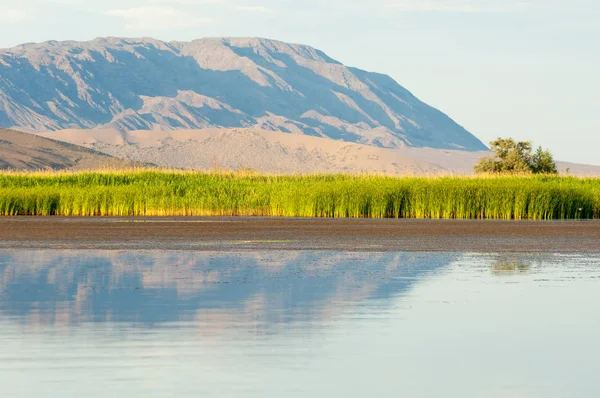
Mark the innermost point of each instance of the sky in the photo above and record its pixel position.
(526, 69)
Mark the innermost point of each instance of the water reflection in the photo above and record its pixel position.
(216, 289)
(511, 264)
(297, 324)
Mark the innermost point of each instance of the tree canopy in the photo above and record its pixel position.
(516, 157)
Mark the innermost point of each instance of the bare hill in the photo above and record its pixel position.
(23, 151)
(259, 150)
(147, 84)
(276, 152)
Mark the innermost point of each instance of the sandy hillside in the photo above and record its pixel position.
(247, 148)
(24, 151)
(275, 152)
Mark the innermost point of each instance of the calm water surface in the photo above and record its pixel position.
(306, 324)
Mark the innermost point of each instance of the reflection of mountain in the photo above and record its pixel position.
(216, 289)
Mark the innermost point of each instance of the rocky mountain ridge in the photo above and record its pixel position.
(147, 84)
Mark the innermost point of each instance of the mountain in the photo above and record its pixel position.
(147, 84)
(22, 151)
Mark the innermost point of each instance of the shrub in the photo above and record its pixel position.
(511, 157)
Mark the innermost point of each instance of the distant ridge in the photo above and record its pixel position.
(22, 151)
(147, 84)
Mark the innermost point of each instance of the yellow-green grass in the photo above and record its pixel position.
(190, 193)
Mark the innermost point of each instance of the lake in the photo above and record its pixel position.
(298, 323)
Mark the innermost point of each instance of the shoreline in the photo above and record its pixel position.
(260, 233)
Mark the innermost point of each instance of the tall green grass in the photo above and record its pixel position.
(178, 193)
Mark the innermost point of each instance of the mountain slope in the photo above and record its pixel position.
(277, 152)
(146, 84)
(23, 151)
(234, 149)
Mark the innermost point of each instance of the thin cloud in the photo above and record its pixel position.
(157, 18)
(255, 9)
(15, 15)
(460, 6)
(189, 2)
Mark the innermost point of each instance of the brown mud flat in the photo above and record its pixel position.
(238, 234)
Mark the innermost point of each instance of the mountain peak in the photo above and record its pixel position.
(144, 83)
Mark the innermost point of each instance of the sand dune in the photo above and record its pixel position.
(275, 152)
(248, 148)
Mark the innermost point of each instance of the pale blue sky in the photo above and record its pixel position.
(521, 68)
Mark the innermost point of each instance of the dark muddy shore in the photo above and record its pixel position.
(228, 234)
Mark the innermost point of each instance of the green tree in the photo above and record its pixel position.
(543, 162)
(516, 157)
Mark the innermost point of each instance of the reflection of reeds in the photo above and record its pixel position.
(511, 265)
(189, 193)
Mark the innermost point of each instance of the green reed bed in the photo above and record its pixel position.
(178, 193)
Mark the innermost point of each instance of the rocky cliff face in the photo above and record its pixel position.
(146, 84)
